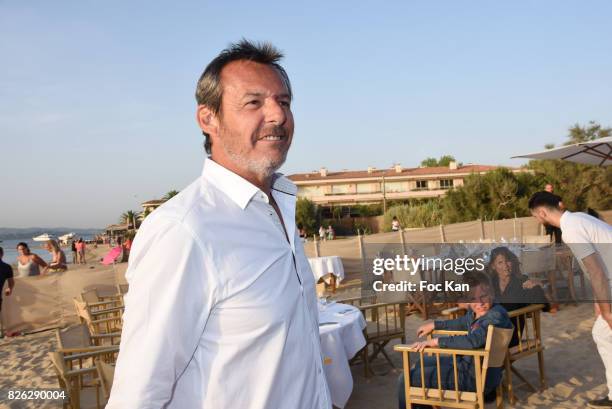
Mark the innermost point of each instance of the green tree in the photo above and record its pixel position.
(580, 186)
(129, 218)
(423, 214)
(444, 160)
(170, 194)
(429, 162)
(586, 133)
(307, 214)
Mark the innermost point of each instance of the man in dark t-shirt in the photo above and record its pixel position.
(6, 274)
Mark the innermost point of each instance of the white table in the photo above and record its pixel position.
(340, 342)
(330, 265)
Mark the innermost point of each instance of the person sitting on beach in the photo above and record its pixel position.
(514, 290)
(58, 261)
(28, 263)
(482, 312)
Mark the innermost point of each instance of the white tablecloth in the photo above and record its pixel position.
(340, 342)
(321, 266)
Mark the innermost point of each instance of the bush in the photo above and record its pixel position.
(424, 214)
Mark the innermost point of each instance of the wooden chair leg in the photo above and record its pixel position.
(366, 366)
(511, 397)
(552, 279)
(542, 372)
(499, 398)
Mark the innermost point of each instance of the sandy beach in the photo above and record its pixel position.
(574, 370)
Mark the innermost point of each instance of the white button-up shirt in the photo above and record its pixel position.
(221, 310)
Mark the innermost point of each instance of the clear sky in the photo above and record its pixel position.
(97, 107)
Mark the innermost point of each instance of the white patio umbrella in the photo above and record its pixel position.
(595, 152)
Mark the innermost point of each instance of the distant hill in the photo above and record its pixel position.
(10, 233)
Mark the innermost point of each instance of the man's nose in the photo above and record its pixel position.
(275, 112)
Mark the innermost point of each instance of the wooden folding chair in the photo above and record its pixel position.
(108, 326)
(81, 388)
(97, 302)
(106, 373)
(492, 356)
(529, 334)
(385, 322)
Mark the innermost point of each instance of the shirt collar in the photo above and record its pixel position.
(240, 190)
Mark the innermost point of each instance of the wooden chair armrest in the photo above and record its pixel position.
(110, 297)
(525, 310)
(93, 353)
(81, 371)
(444, 351)
(106, 311)
(109, 335)
(379, 305)
(448, 332)
(82, 350)
(101, 320)
(101, 303)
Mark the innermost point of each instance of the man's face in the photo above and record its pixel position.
(255, 125)
(549, 188)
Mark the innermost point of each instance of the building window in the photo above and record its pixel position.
(446, 183)
(421, 185)
(396, 187)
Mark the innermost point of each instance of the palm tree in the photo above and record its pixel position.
(170, 194)
(128, 217)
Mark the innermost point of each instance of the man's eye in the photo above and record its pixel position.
(253, 102)
(285, 103)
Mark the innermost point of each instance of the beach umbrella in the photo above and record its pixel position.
(112, 255)
(596, 152)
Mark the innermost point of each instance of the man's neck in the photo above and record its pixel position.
(262, 182)
(557, 218)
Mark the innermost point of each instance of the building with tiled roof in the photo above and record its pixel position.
(374, 186)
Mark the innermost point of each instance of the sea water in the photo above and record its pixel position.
(36, 247)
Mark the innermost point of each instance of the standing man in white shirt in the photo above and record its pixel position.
(222, 310)
(591, 242)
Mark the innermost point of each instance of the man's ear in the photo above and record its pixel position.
(207, 120)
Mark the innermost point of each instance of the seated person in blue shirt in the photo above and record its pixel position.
(481, 313)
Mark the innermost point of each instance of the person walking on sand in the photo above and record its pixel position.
(75, 257)
(6, 275)
(233, 322)
(80, 246)
(590, 239)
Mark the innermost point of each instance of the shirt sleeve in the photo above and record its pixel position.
(477, 337)
(167, 306)
(458, 324)
(578, 241)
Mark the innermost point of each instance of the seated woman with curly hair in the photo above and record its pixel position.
(513, 289)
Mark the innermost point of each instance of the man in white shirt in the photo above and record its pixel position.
(591, 242)
(222, 310)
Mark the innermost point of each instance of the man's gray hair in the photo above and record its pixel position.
(209, 91)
